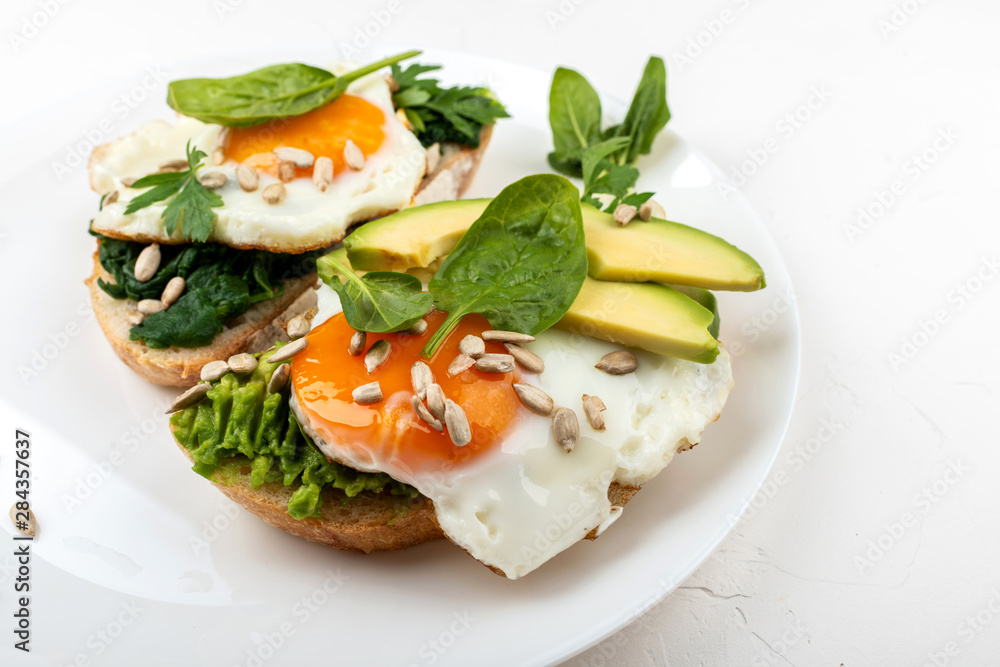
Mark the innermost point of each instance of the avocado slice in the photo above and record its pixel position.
(706, 299)
(650, 316)
(657, 251)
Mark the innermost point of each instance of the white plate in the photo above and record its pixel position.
(124, 520)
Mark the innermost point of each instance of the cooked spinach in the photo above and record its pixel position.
(378, 301)
(221, 282)
(440, 115)
(605, 159)
(521, 264)
(278, 91)
(190, 210)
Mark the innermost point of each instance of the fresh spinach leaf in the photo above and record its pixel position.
(575, 118)
(220, 283)
(605, 159)
(439, 115)
(277, 91)
(648, 113)
(521, 264)
(192, 203)
(378, 301)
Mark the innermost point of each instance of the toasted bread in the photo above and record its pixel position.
(261, 326)
(252, 331)
(365, 523)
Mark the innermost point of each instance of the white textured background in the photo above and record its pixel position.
(876, 540)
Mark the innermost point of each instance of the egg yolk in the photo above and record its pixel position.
(322, 132)
(324, 375)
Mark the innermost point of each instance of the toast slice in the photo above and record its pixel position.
(262, 325)
(366, 523)
(253, 331)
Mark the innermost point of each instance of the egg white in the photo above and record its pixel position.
(306, 219)
(520, 504)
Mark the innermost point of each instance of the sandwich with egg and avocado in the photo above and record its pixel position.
(209, 227)
(554, 364)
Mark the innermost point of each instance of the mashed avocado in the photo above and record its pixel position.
(240, 421)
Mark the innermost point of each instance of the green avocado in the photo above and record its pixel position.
(649, 316)
(654, 251)
(706, 299)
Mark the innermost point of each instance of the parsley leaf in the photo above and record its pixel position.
(438, 114)
(190, 210)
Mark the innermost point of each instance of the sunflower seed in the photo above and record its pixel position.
(128, 181)
(358, 342)
(507, 337)
(377, 354)
(274, 193)
(172, 165)
(297, 327)
(147, 262)
(655, 210)
(646, 211)
(242, 363)
(286, 171)
(213, 370)
(297, 156)
(323, 173)
(135, 318)
(472, 346)
(495, 363)
(110, 198)
(189, 397)
(247, 177)
(534, 399)
(619, 362)
(368, 393)
(624, 213)
(460, 364)
(401, 117)
(30, 525)
(289, 351)
(213, 179)
(421, 377)
(593, 406)
(433, 157)
(458, 423)
(353, 157)
(149, 306)
(218, 155)
(418, 329)
(425, 414)
(172, 291)
(566, 428)
(528, 359)
(279, 378)
(436, 400)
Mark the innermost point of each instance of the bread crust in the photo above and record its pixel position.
(367, 523)
(255, 330)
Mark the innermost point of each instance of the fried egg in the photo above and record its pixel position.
(307, 218)
(512, 497)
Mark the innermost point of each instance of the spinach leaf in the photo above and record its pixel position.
(648, 113)
(192, 203)
(439, 115)
(378, 301)
(221, 283)
(575, 118)
(605, 159)
(521, 264)
(277, 91)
